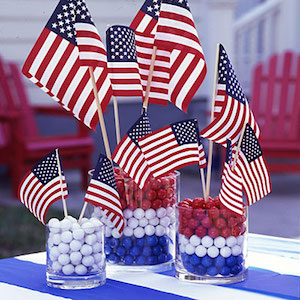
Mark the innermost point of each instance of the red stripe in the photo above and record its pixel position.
(91, 48)
(126, 93)
(104, 190)
(137, 20)
(87, 34)
(177, 17)
(150, 26)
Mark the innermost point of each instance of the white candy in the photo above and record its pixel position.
(75, 258)
(139, 213)
(65, 224)
(88, 227)
(75, 245)
(108, 231)
(225, 251)
(143, 222)
(97, 248)
(72, 219)
(66, 237)
(90, 239)
(88, 260)
(182, 248)
(54, 252)
(240, 240)
(54, 225)
(219, 242)
(99, 236)
(97, 212)
(161, 212)
(149, 230)
(160, 230)
(86, 250)
(184, 240)
(56, 266)
(200, 251)
(115, 233)
(83, 220)
(154, 221)
(95, 267)
(133, 223)
(207, 241)
(80, 269)
(75, 226)
(63, 248)
(189, 249)
(56, 239)
(97, 224)
(150, 213)
(170, 211)
(139, 232)
(236, 250)
(127, 213)
(64, 259)
(165, 221)
(98, 258)
(68, 269)
(195, 240)
(213, 251)
(78, 234)
(128, 231)
(231, 241)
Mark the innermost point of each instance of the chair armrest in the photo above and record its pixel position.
(51, 110)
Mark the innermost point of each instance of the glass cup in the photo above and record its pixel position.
(211, 245)
(75, 253)
(148, 239)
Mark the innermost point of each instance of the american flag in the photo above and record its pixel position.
(177, 34)
(231, 195)
(122, 62)
(59, 60)
(102, 191)
(252, 167)
(173, 147)
(231, 109)
(144, 24)
(128, 154)
(40, 187)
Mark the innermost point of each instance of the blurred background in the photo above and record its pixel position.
(261, 38)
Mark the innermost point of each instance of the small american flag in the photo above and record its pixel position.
(145, 24)
(231, 195)
(173, 147)
(177, 34)
(252, 167)
(128, 154)
(59, 60)
(102, 191)
(41, 187)
(122, 62)
(231, 109)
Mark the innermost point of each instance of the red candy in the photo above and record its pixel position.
(220, 223)
(155, 184)
(150, 195)
(232, 221)
(213, 232)
(201, 231)
(199, 214)
(236, 230)
(145, 204)
(161, 194)
(206, 222)
(188, 232)
(198, 203)
(193, 223)
(156, 204)
(225, 232)
(165, 182)
(214, 212)
(138, 195)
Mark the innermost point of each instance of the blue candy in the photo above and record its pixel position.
(128, 260)
(240, 259)
(121, 251)
(200, 270)
(185, 257)
(225, 271)
(163, 240)
(190, 268)
(206, 261)
(195, 260)
(127, 242)
(156, 250)
(152, 240)
(212, 271)
(170, 257)
(107, 250)
(230, 261)
(152, 260)
(113, 258)
(140, 260)
(219, 261)
(166, 249)
(162, 258)
(135, 251)
(140, 242)
(236, 269)
(113, 243)
(147, 251)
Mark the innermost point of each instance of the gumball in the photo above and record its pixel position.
(200, 270)
(209, 203)
(151, 260)
(212, 271)
(161, 212)
(88, 260)
(230, 261)
(132, 204)
(236, 269)
(150, 213)
(183, 240)
(63, 248)
(201, 231)
(161, 194)
(80, 269)
(225, 232)
(240, 259)
(88, 227)
(149, 230)
(127, 213)
(127, 242)
(86, 250)
(195, 240)
(128, 231)
(157, 250)
(156, 204)
(75, 257)
(54, 252)
(72, 219)
(165, 221)
(133, 223)
(113, 258)
(56, 238)
(145, 204)
(108, 231)
(220, 223)
(217, 202)
(132, 185)
(206, 222)
(206, 261)
(155, 184)
(76, 226)
(165, 182)
(182, 248)
(160, 230)
(213, 251)
(225, 212)
(65, 224)
(54, 225)
(200, 251)
(213, 232)
(219, 261)
(99, 259)
(135, 251)
(150, 195)
(194, 260)
(219, 242)
(236, 230)
(128, 260)
(83, 220)
(152, 240)
(56, 266)
(188, 232)
(189, 249)
(140, 260)
(68, 269)
(240, 240)
(225, 271)
(225, 251)
(199, 213)
(139, 213)
(138, 195)
(147, 251)
(162, 258)
(198, 203)
(163, 240)
(139, 232)
(207, 241)
(64, 259)
(113, 243)
(115, 233)
(143, 222)
(154, 221)
(78, 234)
(214, 212)
(236, 250)
(231, 241)
(232, 221)
(75, 245)
(90, 239)
(193, 223)
(107, 250)
(140, 242)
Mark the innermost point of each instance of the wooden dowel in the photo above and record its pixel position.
(238, 147)
(203, 182)
(61, 185)
(210, 149)
(145, 104)
(117, 121)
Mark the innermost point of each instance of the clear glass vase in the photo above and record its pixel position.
(148, 239)
(211, 244)
(75, 254)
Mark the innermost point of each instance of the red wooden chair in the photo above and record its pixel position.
(21, 144)
(276, 106)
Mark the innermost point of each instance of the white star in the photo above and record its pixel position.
(156, 6)
(61, 23)
(65, 7)
(62, 30)
(71, 5)
(66, 14)
(149, 8)
(157, 13)
(67, 21)
(69, 28)
(54, 25)
(59, 16)
(83, 16)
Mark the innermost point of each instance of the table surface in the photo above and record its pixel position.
(274, 273)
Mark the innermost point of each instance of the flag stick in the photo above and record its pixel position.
(61, 185)
(210, 149)
(203, 182)
(103, 129)
(117, 121)
(145, 104)
(238, 146)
